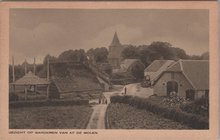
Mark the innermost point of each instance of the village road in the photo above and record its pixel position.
(135, 89)
(97, 120)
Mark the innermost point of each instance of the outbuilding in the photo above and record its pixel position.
(186, 78)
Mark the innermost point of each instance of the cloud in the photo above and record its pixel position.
(39, 41)
(126, 34)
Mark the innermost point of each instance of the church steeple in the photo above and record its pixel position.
(115, 41)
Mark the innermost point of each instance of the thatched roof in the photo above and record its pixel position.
(31, 79)
(71, 77)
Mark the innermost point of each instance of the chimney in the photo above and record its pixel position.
(13, 69)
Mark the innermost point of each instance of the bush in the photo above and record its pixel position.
(192, 120)
(199, 106)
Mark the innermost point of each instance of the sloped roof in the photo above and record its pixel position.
(157, 64)
(70, 77)
(31, 79)
(115, 41)
(175, 67)
(195, 71)
(125, 64)
(157, 67)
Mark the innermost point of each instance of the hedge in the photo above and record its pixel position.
(189, 119)
(41, 103)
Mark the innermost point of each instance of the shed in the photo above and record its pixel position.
(30, 79)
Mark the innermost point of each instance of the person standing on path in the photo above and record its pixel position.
(125, 90)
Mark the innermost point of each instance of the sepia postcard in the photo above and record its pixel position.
(109, 70)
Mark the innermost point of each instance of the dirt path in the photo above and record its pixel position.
(136, 90)
(97, 120)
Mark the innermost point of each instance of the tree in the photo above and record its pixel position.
(154, 51)
(51, 58)
(73, 56)
(180, 53)
(205, 56)
(130, 52)
(137, 70)
(99, 55)
(162, 50)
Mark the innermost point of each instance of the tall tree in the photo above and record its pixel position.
(73, 56)
(205, 56)
(99, 55)
(130, 52)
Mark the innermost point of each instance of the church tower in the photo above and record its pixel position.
(115, 40)
(115, 50)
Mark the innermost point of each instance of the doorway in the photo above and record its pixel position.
(172, 86)
(190, 94)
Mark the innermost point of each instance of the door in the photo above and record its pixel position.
(172, 86)
(190, 94)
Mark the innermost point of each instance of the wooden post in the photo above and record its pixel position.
(13, 88)
(34, 67)
(48, 70)
(25, 93)
(48, 77)
(13, 69)
(34, 86)
(25, 66)
(48, 87)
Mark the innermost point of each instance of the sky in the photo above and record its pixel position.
(37, 32)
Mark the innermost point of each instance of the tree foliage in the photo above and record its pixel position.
(158, 51)
(98, 54)
(73, 56)
(130, 52)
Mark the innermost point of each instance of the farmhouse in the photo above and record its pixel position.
(155, 69)
(186, 78)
